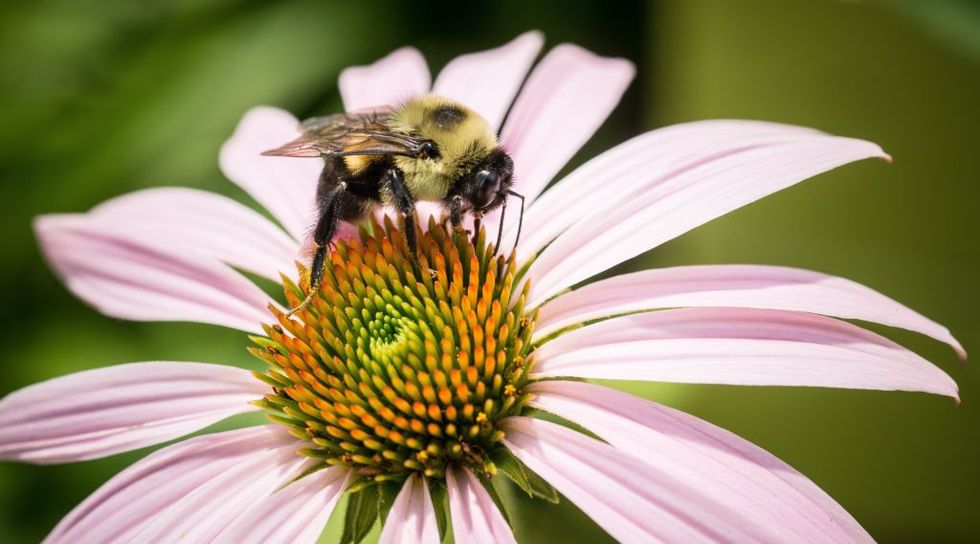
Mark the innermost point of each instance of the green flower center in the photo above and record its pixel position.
(389, 373)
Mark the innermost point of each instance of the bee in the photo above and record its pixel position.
(428, 148)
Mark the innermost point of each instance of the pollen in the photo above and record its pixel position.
(391, 373)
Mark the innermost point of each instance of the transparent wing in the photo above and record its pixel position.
(345, 134)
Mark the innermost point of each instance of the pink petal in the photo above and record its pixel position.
(475, 517)
(634, 501)
(630, 168)
(488, 81)
(286, 186)
(400, 75)
(412, 519)
(565, 100)
(121, 274)
(202, 514)
(682, 201)
(204, 223)
(739, 347)
(717, 463)
(736, 286)
(295, 514)
(124, 505)
(120, 408)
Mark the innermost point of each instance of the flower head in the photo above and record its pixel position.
(391, 374)
(411, 392)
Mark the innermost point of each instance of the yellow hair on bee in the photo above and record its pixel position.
(461, 135)
(357, 164)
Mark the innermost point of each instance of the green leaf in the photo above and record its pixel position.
(488, 485)
(316, 467)
(361, 484)
(387, 492)
(440, 503)
(523, 477)
(362, 512)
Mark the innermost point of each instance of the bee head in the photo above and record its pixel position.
(485, 185)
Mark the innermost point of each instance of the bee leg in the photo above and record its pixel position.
(405, 204)
(326, 227)
(412, 240)
(477, 220)
(316, 276)
(456, 211)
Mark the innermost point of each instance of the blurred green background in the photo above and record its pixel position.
(101, 98)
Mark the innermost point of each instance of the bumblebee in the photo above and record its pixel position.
(429, 148)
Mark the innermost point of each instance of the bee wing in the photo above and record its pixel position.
(345, 134)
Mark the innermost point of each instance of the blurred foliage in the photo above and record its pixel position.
(955, 22)
(903, 464)
(101, 98)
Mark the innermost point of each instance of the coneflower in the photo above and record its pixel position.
(411, 393)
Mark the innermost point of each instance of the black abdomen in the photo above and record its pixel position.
(363, 189)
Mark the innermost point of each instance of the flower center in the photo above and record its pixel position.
(390, 373)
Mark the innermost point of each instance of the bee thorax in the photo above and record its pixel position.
(427, 180)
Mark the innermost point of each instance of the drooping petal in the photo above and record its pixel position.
(488, 81)
(680, 202)
(202, 514)
(204, 223)
(633, 501)
(295, 514)
(712, 460)
(628, 169)
(123, 506)
(475, 517)
(735, 286)
(401, 74)
(739, 347)
(412, 519)
(286, 186)
(100, 412)
(566, 98)
(119, 274)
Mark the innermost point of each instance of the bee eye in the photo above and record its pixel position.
(486, 186)
(428, 150)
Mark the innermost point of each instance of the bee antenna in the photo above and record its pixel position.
(500, 227)
(520, 222)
